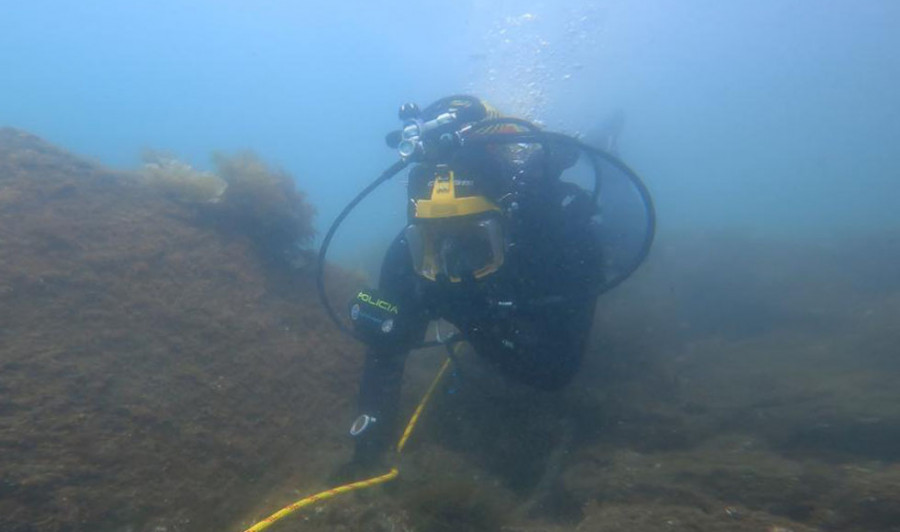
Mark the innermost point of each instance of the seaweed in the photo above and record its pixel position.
(244, 196)
(265, 204)
(178, 180)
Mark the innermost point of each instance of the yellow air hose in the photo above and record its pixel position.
(361, 484)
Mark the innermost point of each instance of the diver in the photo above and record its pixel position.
(498, 245)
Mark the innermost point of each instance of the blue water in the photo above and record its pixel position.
(776, 117)
(768, 347)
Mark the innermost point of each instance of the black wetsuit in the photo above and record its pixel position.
(531, 319)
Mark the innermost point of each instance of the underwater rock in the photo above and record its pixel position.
(154, 373)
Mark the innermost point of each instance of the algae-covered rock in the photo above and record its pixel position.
(155, 374)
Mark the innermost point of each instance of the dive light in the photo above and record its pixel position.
(374, 317)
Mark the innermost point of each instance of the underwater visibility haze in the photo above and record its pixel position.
(168, 171)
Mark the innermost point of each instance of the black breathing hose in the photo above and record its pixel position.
(533, 136)
(393, 170)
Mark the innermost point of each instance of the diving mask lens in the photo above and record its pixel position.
(456, 249)
(463, 254)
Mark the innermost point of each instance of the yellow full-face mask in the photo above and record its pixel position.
(455, 237)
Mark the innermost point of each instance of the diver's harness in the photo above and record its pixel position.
(375, 319)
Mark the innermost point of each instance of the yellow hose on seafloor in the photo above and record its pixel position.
(374, 481)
